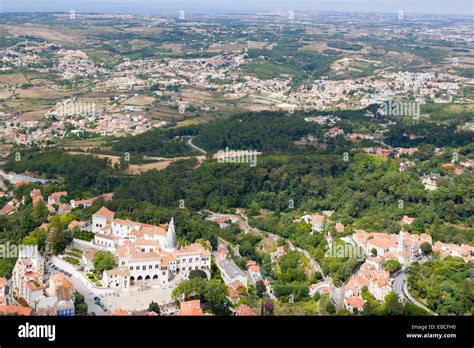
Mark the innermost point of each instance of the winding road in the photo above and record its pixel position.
(401, 288)
(189, 142)
(337, 294)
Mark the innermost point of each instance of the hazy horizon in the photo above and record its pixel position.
(167, 7)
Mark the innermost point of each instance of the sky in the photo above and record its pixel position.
(447, 7)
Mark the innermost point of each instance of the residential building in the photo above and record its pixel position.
(3, 285)
(430, 181)
(191, 308)
(84, 203)
(354, 302)
(317, 222)
(55, 198)
(88, 260)
(26, 279)
(254, 271)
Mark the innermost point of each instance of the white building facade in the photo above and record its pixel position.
(146, 254)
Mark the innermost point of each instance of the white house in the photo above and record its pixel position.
(101, 219)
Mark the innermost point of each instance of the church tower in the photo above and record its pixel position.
(171, 243)
(401, 241)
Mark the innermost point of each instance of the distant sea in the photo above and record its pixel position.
(170, 7)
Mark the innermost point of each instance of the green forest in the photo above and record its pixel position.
(444, 285)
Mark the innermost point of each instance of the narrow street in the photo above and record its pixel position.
(83, 290)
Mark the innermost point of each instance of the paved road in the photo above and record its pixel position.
(314, 263)
(400, 279)
(3, 187)
(401, 288)
(189, 141)
(14, 178)
(337, 294)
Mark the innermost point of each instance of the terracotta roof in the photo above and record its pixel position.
(59, 194)
(380, 243)
(62, 280)
(236, 285)
(136, 233)
(192, 249)
(104, 212)
(21, 183)
(83, 201)
(390, 256)
(318, 218)
(120, 312)
(376, 259)
(12, 309)
(144, 255)
(153, 230)
(355, 301)
(254, 268)
(64, 207)
(127, 222)
(168, 257)
(73, 224)
(357, 282)
(105, 236)
(118, 271)
(191, 308)
(244, 310)
(89, 254)
(383, 281)
(141, 241)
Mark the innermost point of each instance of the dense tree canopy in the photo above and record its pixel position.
(104, 260)
(444, 285)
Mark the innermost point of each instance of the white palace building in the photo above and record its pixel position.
(145, 253)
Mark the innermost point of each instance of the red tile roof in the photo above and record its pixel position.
(12, 309)
(244, 310)
(104, 212)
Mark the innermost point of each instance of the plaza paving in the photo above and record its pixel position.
(137, 299)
